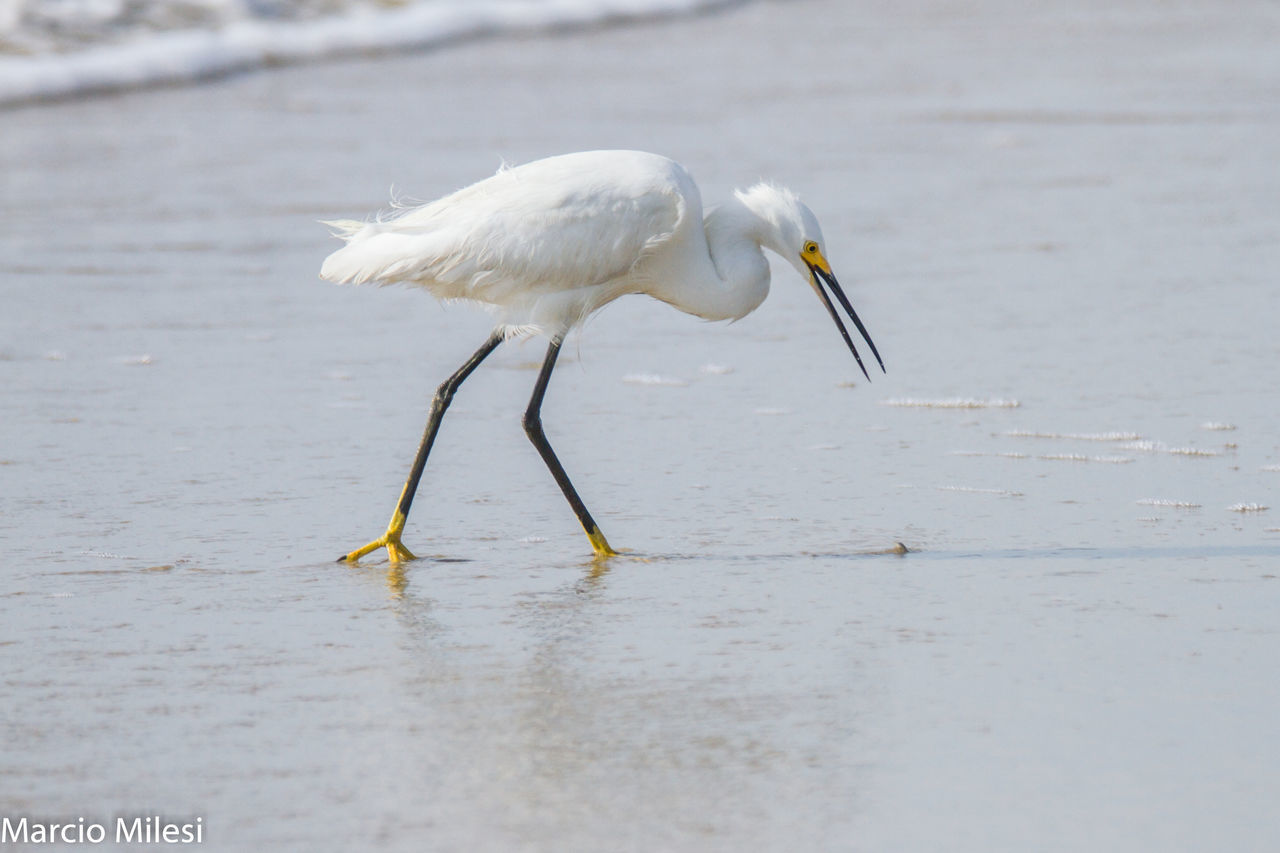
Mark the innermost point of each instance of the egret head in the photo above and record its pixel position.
(794, 233)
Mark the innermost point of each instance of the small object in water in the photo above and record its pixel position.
(951, 403)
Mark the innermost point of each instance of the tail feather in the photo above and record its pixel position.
(360, 260)
(345, 229)
(376, 254)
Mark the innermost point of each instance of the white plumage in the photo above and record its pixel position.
(547, 243)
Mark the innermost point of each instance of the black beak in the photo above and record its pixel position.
(819, 278)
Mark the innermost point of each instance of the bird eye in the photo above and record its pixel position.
(811, 248)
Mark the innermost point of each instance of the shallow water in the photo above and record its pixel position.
(1077, 653)
(51, 49)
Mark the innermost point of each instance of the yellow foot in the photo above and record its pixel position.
(395, 549)
(599, 544)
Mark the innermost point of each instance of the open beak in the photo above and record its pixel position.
(822, 275)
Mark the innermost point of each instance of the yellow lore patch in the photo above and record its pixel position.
(812, 256)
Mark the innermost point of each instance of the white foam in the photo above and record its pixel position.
(1248, 507)
(716, 369)
(654, 379)
(235, 44)
(1080, 457)
(1007, 493)
(986, 453)
(1168, 503)
(1161, 447)
(951, 403)
(1213, 425)
(1074, 436)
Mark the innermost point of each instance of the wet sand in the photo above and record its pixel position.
(1061, 228)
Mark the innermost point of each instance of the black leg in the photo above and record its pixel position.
(439, 405)
(533, 427)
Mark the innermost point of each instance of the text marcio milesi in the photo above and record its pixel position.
(150, 829)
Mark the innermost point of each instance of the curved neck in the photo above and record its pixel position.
(734, 234)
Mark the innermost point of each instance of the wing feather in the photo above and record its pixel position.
(550, 226)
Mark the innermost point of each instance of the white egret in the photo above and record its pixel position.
(546, 244)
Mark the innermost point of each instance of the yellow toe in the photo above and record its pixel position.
(366, 549)
(391, 541)
(599, 544)
(398, 553)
